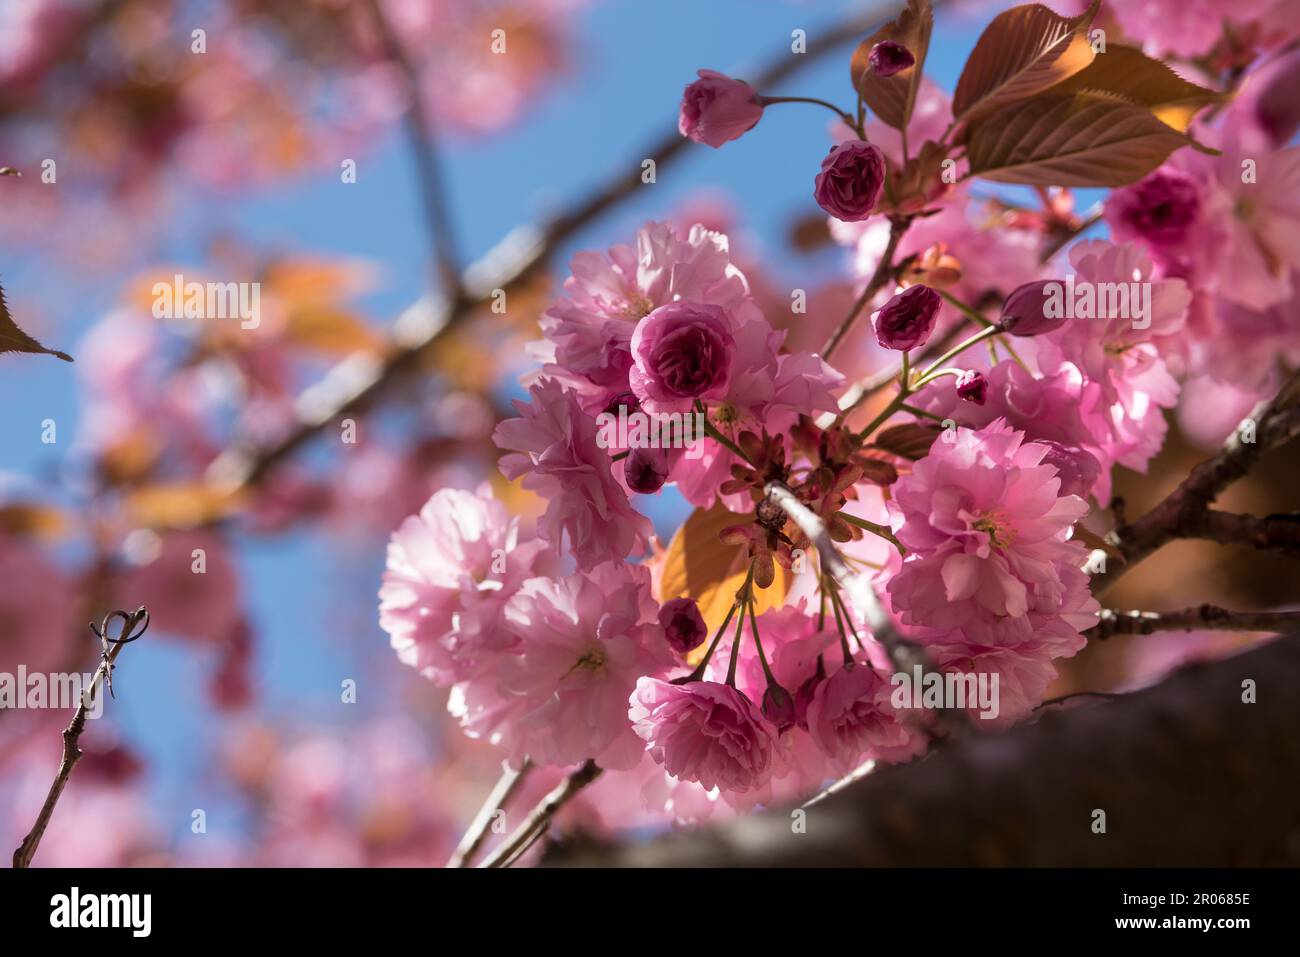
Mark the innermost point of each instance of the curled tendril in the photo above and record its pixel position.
(128, 633)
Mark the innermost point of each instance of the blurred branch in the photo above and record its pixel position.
(1185, 512)
(357, 382)
(112, 647)
(884, 272)
(1162, 763)
(539, 819)
(1059, 241)
(422, 139)
(1200, 618)
(500, 796)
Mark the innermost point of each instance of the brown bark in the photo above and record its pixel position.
(1186, 772)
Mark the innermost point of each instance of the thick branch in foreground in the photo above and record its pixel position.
(1200, 618)
(72, 733)
(1187, 773)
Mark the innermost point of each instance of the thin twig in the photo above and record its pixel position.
(1058, 242)
(539, 818)
(1198, 618)
(112, 647)
(884, 272)
(502, 791)
(422, 139)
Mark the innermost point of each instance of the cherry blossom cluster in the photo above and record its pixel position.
(1020, 383)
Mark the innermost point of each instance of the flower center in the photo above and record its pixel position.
(994, 526)
(638, 307)
(592, 660)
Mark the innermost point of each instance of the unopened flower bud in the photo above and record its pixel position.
(1025, 311)
(778, 707)
(646, 470)
(906, 321)
(683, 624)
(973, 387)
(889, 57)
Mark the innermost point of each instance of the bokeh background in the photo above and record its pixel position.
(226, 165)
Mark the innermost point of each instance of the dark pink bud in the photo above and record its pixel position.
(778, 707)
(1077, 469)
(906, 321)
(973, 387)
(888, 58)
(1277, 109)
(646, 470)
(851, 180)
(624, 400)
(716, 108)
(1026, 310)
(683, 624)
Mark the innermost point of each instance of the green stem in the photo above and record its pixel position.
(915, 410)
(762, 658)
(712, 432)
(735, 642)
(958, 349)
(881, 530)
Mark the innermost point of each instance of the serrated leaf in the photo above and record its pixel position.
(1133, 76)
(1079, 139)
(698, 565)
(911, 440)
(13, 339)
(1023, 51)
(892, 97)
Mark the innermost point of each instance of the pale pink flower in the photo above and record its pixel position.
(556, 453)
(705, 732)
(39, 627)
(989, 514)
(451, 569)
(851, 719)
(583, 641)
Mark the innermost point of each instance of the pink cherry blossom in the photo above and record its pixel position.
(705, 732)
(583, 641)
(554, 449)
(851, 719)
(451, 570)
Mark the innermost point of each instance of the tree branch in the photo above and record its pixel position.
(422, 139)
(353, 385)
(502, 791)
(884, 272)
(1187, 772)
(1199, 618)
(1185, 512)
(539, 819)
(112, 647)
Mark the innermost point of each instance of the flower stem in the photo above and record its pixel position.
(769, 100)
(958, 349)
(881, 530)
(753, 626)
